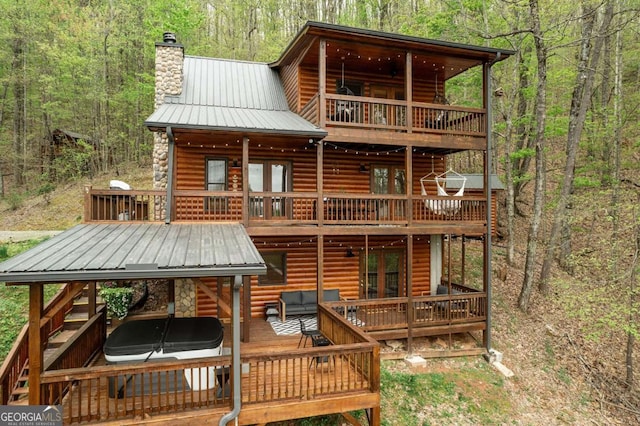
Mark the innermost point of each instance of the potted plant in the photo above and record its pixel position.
(117, 298)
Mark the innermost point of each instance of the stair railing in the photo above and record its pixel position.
(18, 356)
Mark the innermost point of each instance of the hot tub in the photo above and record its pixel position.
(168, 338)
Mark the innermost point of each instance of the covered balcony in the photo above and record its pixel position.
(291, 208)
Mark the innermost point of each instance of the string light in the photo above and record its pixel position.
(357, 152)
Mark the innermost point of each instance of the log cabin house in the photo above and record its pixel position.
(324, 170)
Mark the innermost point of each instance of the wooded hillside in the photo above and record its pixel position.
(76, 83)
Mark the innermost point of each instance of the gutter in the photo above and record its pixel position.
(235, 355)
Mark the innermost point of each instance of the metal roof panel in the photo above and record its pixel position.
(127, 251)
(220, 94)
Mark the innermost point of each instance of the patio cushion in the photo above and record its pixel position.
(332, 295)
(291, 297)
(309, 297)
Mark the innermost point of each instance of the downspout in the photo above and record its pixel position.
(235, 355)
(169, 201)
(488, 194)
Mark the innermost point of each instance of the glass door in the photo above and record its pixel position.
(384, 274)
(272, 177)
(389, 179)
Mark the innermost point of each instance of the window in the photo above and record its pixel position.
(270, 176)
(215, 180)
(276, 269)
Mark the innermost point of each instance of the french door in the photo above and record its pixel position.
(273, 177)
(382, 275)
(389, 179)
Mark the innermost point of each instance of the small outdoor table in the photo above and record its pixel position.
(317, 342)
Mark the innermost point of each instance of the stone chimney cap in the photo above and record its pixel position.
(169, 37)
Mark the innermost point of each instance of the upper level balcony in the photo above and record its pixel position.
(268, 209)
(346, 113)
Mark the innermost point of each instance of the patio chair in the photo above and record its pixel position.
(306, 333)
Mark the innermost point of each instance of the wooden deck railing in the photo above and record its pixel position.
(375, 315)
(13, 364)
(78, 351)
(207, 205)
(129, 390)
(124, 205)
(276, 208)
(124, 391)
(435, 208)
(391, 115)
(18, 356)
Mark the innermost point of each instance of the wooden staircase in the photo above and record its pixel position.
(20, 393)
(74, 319)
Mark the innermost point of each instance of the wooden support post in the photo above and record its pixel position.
(374, 417)
(322, 84)
(88, 208)
(408, 78)
(246, 326)
(410, 307)
(320, 272)
(91, 299)
(245, 181)
(36, 298)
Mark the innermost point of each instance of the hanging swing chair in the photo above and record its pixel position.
(440, 206)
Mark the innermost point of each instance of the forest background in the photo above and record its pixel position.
(565, 131)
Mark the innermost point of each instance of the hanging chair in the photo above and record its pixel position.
(444, 206)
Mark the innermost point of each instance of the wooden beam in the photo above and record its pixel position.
(212, 294)
(36, 296)
(352, 420)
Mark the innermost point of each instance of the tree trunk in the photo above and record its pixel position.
(633, 306)
(19, 126)
(580, 103)
(540, 119)
(521, 164)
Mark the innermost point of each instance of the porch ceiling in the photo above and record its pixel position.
(137, 251)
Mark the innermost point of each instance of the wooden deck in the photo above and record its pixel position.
(291, 382)
(279, 380)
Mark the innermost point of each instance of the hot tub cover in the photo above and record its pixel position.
(182, 334)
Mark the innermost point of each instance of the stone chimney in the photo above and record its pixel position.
(169, 75)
